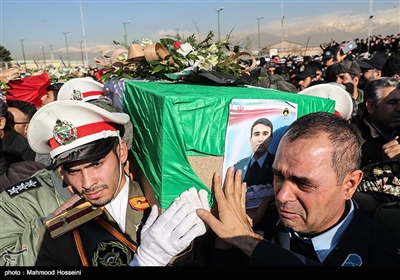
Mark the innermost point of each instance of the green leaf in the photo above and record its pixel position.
(158, 68)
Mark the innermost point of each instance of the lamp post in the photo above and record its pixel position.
(369, 24)
(66, 44)
(219, 30)
(83, 33)
(83, 62)
(258, 21)
(283, 17)
(44, 58)
(125, 36)
(23, 53)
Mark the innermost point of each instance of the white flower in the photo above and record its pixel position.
(203, 64)
(212, 59)
(185, 49)
(146, 42)
(212, 49)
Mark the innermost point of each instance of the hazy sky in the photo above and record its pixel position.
(43, 23)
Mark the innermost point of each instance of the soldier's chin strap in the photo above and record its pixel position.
(120, 171)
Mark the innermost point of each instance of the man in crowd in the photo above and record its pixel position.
(22, 112)
(22, 221)
(316, 172)
(380, 122)
(47, 192)
(347, 71)
(85, 142)
(391, 68)
(371, 68)
(15, 172)
(51, 93)
(15, 146)
(306, 75)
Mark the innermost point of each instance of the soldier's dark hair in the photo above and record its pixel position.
(263, 121)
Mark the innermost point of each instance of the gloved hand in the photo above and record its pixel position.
(166, 235)
(198, 200)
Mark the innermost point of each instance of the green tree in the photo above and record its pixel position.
(5, 56)
(247, 45)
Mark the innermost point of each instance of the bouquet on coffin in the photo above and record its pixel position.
(176, 60)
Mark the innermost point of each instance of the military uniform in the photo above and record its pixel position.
(23, 208)
(80, 134)
(99, 246)
(15, 172)
(259, 185)
(263, 177)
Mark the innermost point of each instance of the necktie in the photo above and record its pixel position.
(302, 247)
(254, 170)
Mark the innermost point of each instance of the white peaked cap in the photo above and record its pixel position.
(61, 127)
(343, 100)
(84, 89)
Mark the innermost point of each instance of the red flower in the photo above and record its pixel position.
(177, 44)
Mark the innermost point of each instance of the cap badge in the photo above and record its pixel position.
(76, 95)
(64, 132)
(302, 68)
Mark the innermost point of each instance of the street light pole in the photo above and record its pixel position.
(23, 53)
(83, 62)
(283, 17)
(125, 36)
(44, 58)
(258, 21)
(369, 24)
(83, 33)
(66, 44)
(219, 30)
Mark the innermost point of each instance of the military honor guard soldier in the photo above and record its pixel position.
(113, 224)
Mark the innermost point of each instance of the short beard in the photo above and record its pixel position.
(101, 201)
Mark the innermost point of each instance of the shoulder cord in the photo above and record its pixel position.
(78, 241)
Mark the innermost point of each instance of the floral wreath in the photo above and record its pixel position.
(174, 59)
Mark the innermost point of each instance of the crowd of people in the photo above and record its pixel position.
(69, 195)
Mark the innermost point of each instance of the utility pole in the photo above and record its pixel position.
(23, 54)
(66, 44)
(259, 48)
(369, 24)
(283, 17)
(125, 36)
(44, 58)
(83, 63)
(83, 33)
(219, 30)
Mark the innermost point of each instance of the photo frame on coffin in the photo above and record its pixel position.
(243, 114)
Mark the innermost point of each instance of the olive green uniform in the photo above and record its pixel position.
(23, 208)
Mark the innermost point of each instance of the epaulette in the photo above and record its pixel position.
(240, 161)
(73, 218)
(23, 186)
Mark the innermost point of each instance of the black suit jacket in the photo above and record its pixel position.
(363, 238)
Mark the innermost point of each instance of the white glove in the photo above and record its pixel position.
(166, 236)
(198, 200)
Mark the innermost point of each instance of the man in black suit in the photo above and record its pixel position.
(316, 172)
